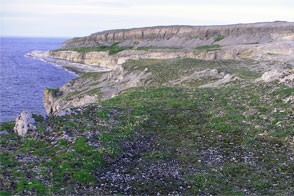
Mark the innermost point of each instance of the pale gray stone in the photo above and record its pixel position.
(23, 123)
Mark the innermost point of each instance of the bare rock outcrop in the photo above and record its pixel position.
(64, 60)
(102, 59)
(268, 50)
(49, 99)
(80, 92)
(197, 75)
(226, 79)
(270, 76)
(23, 123)
(283, 76)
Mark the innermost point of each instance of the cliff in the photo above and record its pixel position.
(208, 52)
(111, 48)
(188, 36)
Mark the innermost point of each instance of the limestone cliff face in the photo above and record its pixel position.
(235, 41)
(188, 36)
(103, 59)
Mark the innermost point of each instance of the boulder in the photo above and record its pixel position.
(270, 76)
(23, 123)
(285, 77)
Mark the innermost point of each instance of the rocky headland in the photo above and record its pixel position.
(168, 110)
(263, 43)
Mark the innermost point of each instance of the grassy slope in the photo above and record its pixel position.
(225, 141)
(164, 72)
(213, 135)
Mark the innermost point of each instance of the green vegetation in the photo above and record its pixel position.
(53, 90)
(218, 38)
(253, 43)
(7, 126)
(63, 163)
(272, 54)
(209, 129)
(115, 48)
(209, 47)
(136, 43)
(95, 91)
(156, 47)
(165, 71)
(246, 74)
(112, 49)
(95, 75)
(177, 139)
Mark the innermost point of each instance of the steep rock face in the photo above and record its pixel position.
(103, 59)
(69, 60)
(188, 36)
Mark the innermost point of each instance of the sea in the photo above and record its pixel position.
(23, 79)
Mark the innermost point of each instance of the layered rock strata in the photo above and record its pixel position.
(189, 36)
(251, 51)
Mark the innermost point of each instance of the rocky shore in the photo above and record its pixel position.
(77, 68)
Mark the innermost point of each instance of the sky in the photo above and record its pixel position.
(75, 18)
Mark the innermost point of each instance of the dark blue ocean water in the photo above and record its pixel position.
(24, 79)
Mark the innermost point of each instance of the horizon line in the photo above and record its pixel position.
(34, 36)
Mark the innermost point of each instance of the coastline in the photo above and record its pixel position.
(76, 68)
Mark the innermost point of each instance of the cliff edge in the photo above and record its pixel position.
(188, 36)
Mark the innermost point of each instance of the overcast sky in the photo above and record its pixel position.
(72, 18)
